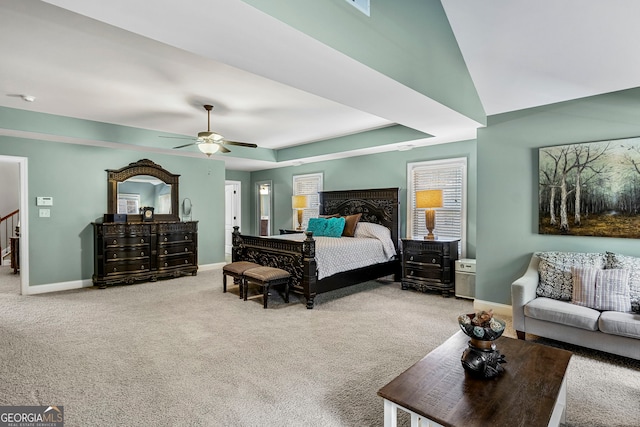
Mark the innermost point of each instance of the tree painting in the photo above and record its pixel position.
(590, 189)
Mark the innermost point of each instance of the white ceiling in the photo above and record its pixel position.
(153, 67)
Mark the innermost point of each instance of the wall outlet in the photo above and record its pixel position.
(45, 213)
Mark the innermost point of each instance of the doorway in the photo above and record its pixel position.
(232, 213)
(19, 186)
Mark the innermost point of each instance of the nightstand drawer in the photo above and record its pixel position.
(433, 259)
(426, 273)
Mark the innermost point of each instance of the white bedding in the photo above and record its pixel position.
(338, 254)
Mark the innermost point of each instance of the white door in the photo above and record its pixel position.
(232, 212)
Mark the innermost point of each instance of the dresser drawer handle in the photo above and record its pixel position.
(166, 251)
(434, 261)
(115, 255)
(141, 253)
(165, 239)
(186, 237)
(186, 249)
(411, 274)
(186, 261)
(411, 258)
(142, 267)
(115, 269)
(141, 240)
(166, 264)
(115, 242)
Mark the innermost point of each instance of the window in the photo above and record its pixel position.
(308, 185)
(449, 175)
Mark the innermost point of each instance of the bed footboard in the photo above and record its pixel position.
(297, 258)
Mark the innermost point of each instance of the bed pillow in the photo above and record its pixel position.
(351, 221)
(334, 227)
(317, 226)
(633, 265)
(377, 231)
(555, 272)
(601, 289)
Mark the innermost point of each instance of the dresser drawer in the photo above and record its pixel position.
(175, 237)
(176, 248)
(173, 261)
(126, 240)
(127, 253)
(120, 267)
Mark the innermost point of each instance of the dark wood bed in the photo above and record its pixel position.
(380, 206)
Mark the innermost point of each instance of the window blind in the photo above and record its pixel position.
(450, 177)
(308, 185)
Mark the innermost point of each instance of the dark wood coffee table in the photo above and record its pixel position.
(530, 392)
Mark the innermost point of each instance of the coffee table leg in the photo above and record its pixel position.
(559, 414)
(390, 414)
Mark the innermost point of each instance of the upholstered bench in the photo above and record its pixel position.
(267, 277)
(236, 270)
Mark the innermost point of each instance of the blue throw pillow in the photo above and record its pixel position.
(335, 226)
(317, 226)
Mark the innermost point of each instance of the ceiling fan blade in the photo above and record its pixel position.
(241, 144)
(176, 137)
(224, 149)
(185, 145)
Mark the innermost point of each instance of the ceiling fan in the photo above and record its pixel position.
(210, 142)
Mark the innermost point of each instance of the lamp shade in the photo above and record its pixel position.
(208, 148)
(427, 199)
(299, 202)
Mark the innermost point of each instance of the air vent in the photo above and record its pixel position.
(361, 5)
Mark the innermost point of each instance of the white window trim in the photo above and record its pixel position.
(410, 200)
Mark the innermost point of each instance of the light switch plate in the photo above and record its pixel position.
(45, 213)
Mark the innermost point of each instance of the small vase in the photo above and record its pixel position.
(481, 359)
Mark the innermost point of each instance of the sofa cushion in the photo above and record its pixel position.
(556, 280)
(565, 313)
(601, 289)
(614, 260)
(617, 323)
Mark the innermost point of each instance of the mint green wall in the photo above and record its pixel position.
(507, 183)
(371, 171)
(61, 247)
(408, 40)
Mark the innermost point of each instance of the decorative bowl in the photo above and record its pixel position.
(490, 330)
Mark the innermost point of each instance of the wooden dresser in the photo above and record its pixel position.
(429, 264)
(125, 253)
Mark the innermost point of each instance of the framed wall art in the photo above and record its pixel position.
(590, 189)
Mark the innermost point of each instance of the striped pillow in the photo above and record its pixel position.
(612, 290)
(601, 289)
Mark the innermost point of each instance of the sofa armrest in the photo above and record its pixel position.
(523, 290)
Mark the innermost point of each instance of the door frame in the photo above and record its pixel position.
(24, 218)
(237, 208)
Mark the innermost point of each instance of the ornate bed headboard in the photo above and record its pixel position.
(379, 205)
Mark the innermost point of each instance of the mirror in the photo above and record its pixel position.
(264, 204)
(143, 184)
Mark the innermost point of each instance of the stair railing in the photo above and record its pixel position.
(8, 224)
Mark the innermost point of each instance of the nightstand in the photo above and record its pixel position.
(429, 265)
(290, 231)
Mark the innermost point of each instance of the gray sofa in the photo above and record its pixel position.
(552, 317)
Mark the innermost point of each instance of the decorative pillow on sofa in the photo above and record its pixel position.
(614, 260)
(601, 289)
(555, 271)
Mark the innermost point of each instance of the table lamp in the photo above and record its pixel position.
(428, 200)
(300, 203)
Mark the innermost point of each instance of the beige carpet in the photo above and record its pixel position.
(182, 353)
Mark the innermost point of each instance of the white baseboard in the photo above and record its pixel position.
(499, 309)
(57, 287)
(79, 284)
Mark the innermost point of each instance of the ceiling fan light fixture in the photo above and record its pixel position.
(208, 147)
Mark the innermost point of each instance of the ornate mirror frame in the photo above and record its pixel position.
(142, 167)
